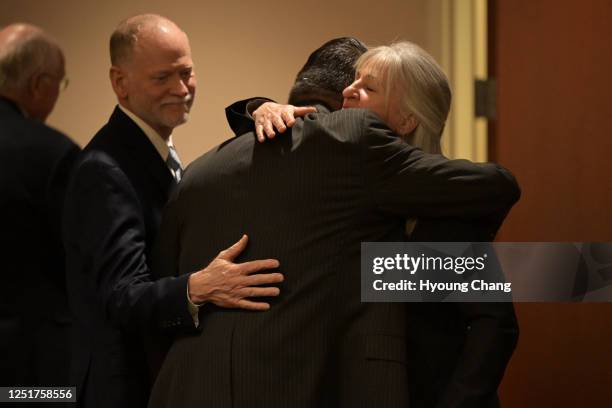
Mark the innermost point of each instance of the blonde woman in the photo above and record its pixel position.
(408, 90)
(401, 83)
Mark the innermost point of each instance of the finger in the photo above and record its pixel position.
(268, 128)
(250, 267)
(259, 292)
(279, 124)
(304, 110)
(232, 252)
(260, 133)
(250, 305)
(287, 116)
(264, 279)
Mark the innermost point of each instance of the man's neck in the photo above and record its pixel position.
(160, 144)
(15, 101)
(164, 132)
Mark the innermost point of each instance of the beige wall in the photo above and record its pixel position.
(240, 49)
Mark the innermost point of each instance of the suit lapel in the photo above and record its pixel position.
(140, 151)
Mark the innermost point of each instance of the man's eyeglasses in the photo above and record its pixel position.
(62, 82)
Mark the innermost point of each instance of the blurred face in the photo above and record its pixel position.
(157, 82)
(368, 91)
(46, 91)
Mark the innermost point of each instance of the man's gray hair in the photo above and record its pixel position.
(27, 54)
(125, 36)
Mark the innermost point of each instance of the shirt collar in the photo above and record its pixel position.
(158, 142)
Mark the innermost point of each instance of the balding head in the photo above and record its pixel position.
(152, 71)
(136, 29)
(31, 68)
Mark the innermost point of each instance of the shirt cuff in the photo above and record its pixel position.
(193, 309)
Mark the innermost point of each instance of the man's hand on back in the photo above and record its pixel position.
(228, 284)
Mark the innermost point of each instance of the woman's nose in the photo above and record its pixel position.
(350, 92)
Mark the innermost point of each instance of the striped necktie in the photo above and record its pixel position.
(174, 164)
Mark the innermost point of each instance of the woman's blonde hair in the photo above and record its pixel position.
(421, 85)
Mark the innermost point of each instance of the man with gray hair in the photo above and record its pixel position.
(120, 186)
(35, 163)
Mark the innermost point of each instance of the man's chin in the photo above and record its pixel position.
(177, 121)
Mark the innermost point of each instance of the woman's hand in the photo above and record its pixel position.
(272, 115)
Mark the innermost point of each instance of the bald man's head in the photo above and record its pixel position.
(152, 71)
(135, 29)
(31, 69)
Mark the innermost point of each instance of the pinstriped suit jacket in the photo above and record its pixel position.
(308, 198)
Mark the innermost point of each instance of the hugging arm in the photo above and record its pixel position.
(109, 276)
(403, 180)
(238, 114)
(263, 116)
(222, 282)
(105, 231)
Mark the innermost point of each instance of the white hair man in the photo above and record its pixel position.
(35, 164)
(118, 191)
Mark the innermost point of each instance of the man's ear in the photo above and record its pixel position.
(35, 86)
(119, 82)
(408, 124)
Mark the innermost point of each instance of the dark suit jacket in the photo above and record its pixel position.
(113, 211)
(35, 163)
(458, 352)
(308, 199)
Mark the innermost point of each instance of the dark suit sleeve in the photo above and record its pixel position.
(55, 194)
(167, 248)
(238, 114)
(107, 230)
(489, 330)
(403, 180)
(58, 182)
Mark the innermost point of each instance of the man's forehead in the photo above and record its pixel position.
(161, 32)
(158, 63)
(161, 53)
(162, 41)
